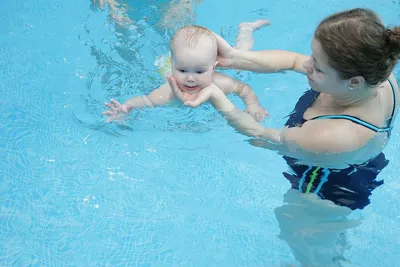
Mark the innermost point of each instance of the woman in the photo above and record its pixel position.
(334, 138)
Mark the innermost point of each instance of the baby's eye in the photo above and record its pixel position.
(183, 71)
(200, 71)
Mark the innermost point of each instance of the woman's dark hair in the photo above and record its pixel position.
(358, 44)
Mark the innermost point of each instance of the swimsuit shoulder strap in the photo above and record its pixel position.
(364, 123)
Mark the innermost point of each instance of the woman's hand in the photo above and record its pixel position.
(209, 93)
(181, 95)
(205, 95)
(225, 52)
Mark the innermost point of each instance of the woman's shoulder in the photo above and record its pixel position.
(390, 96)
(390, 85)
(337, 142)
(393, 79)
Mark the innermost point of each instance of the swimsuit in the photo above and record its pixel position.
(350, 187)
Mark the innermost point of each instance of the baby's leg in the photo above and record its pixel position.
(244, 40)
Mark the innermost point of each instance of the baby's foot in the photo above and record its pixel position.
(255, 25)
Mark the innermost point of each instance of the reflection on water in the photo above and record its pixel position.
(164, 14)
(314, 229)
(179, 13)
(125, 66)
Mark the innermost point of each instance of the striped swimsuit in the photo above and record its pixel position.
(350, 187)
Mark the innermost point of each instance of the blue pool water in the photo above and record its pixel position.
(174, 186)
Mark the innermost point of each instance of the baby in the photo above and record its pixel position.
(194, 58)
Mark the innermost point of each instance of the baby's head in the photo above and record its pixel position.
(194, 57)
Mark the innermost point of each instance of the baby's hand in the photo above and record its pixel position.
(258, 112)
(117, 111)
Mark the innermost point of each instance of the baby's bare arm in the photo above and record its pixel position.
(118, 111)
(232, 86)
(159, 96)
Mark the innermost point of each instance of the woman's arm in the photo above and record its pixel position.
(268, 61)
(259, 61)
(317, 142)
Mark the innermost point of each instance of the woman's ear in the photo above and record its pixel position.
(356, 82)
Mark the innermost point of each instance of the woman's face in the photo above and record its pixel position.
(321, 76)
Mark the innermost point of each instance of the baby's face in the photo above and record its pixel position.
(193, 67)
